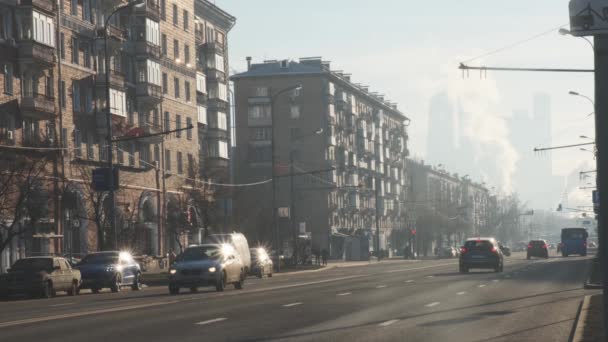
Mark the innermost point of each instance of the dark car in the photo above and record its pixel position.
(109, 269)
(537, 248)
(40, 277)
(207, 265)
(261, 264)
(481, 253)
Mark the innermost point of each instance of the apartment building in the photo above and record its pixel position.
(345, 146)
(54, 95)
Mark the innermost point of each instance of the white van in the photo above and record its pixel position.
(239, 242)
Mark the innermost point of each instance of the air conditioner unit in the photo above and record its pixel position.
(10, 135)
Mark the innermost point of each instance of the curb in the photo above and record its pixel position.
(578, 334)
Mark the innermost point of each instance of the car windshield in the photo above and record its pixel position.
(200, 253)
(99, 259)
(480, 245)
(34, 264)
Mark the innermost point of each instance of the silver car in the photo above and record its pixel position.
(207, 265)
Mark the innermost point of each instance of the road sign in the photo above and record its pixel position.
(588, 17)
(101, 179)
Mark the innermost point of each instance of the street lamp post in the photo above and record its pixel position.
(111, 180)
(273, 99)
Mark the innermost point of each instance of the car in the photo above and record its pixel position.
(506, 251)
(448, 252)
(481, 253)
(207, 265)
(261, 264)
(40, 277)
(238, 241)
(537, 248)
(112, 269)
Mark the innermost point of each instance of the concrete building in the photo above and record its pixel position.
(54, 96)
(345, 145)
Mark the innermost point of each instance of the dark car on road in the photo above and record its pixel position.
(261, 264)
(112, 270)
(480, 253)
(40, 277)
(207, 265)
(537, 248)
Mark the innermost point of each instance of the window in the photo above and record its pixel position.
(260, 133)
(89, 147)
(144, 155)
(219, 63)
(295, 111)
(120, 156)
(75, 96)
(163, 9)
(62, 45)
(62, 95)
(163, 44)
(187, 90)
(180, 165)
(87, 56)
(178, 125)
(175, 21)
(167, 123)
(190, 165)
(176, 49)
(118, 104)
(152, 32)
(186, 54)
(260, 154)
(222, 121)
(176, 86)
(260, 91)
(167, 160)
(88, 100)
(8, 79)
(43, 28)
(223, 149)
(202, 114)
(201, 83)
(259, 111)
(186, 22)
(165, 83)
(153, 75)
(74, 7)
(157, 153)
(6, 25)
(189, 131)
(132, 154)
(77, 143)
(86, 11)
(74, 50)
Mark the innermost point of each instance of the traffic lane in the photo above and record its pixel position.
(181, 317)
(538, 304)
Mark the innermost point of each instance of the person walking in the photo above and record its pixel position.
(324, 256)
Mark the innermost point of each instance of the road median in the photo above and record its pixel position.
(588, 326)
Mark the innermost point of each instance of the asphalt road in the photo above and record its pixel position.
(532, 300)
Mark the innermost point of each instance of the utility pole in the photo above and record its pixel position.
(292, 211)
(377, 195)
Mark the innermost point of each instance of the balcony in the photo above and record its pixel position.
(38, 107)
(201, 98)
(215, 163)
(151, 10)
(217, 104)
(32, 52)
(117, 80)
(35, 140)
(213, 48)
(148, 93)
(214, 74)
(216, 133)
(115, 32)
(150, 129)
(146, 49)
(47, 6)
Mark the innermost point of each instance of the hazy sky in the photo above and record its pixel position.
(409, 50)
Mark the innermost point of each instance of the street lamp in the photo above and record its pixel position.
(585, 137)
(574, 93)
(109, 116)
(273, 98)
(566, 32)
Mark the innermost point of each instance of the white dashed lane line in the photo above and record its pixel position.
(495, 280)
(482, 285)
(387, 323)
(409, 281)
(461, 293)
(430, 305)
(63, 304)
(380, 286)
(344, 294)
(292, 304)
(212, 321)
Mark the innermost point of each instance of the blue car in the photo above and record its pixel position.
(112, 270)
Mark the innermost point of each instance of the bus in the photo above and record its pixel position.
(574, 241)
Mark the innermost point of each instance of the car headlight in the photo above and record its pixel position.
(172, 271)
(212, 269)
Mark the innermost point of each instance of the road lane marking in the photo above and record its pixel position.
(420, 268)
(344, 294)
(82, 313)
(212, 321)
(430, 276)
(430, 305)
(292, 304)
(63, 304)
(495, 280)
(482, 285)
(380, 286)
(387, 323)
(461, 293)
(409, 281)
(507, 276)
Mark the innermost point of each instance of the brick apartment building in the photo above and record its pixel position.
(161, 78)
(331, 123)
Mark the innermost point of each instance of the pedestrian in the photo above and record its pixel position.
(317, 256)
(172, 257)
(324, 256)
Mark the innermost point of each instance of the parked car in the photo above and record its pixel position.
(537, 248)
(207, 265)
(504, 249)
(40, 277)
(480, 253)
(261, 264)
(113, 270)
(238, 241)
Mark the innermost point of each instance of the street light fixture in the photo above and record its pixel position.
(574, 93)
(566, 32)
(586, 137)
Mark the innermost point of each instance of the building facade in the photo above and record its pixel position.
(343, 147)
(53, 102)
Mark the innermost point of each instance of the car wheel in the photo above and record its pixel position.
(241, 283)
(73, 289)
(173, 290)
(47, 291)
(136, 282)
(116, 284)
(502, 267)
(95, 290)
(220, 284)
(497, 268)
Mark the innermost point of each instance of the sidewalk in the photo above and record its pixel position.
(589, 324)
